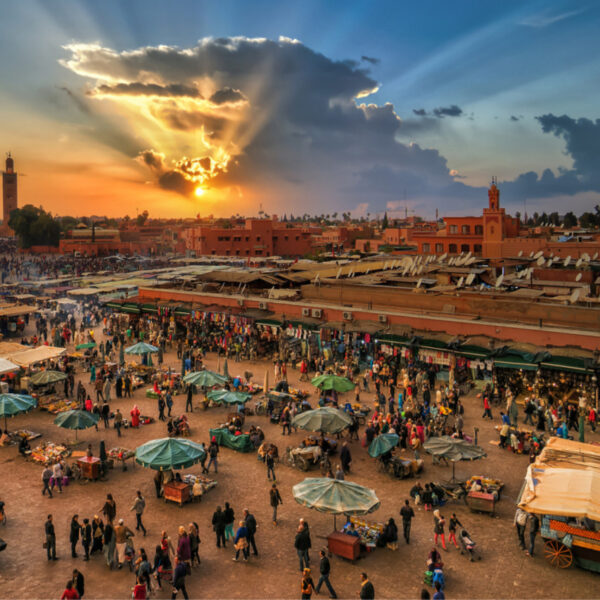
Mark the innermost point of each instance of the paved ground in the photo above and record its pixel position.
(504, 571)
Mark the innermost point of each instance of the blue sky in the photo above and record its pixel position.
(489, 68)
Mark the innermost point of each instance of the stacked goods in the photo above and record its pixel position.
(49, 453)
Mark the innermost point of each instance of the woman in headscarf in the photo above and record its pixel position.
(135, 416)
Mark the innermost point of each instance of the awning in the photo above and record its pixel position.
(34, 355)
(393, 339)
(256, 313)
(514, 361)
(6, 366)
(429, 344)
(472, 352)
(149, 308)
(269, 322)
(566, 363)
(129, 308)
(306, 323)
(16, 311)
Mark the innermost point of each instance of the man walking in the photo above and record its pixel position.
(218, 523)
(118, 421)
(534, 527)
(86, 538)
(275, 499)
(302, 544)
(46, 476)
(139, 504)
(251, 526)
(407, 514)
(325, 569)
(367, 591)
(74, 535)
(213, 451)
(105, 412)
(345, 457)
(520, 524)
(50, 539)
(270, 462)
(188, 401)
(161, 408)
(179, 579)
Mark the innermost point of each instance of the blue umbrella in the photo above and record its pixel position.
(14, 404)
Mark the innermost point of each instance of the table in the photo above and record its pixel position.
(177, 491)
(90, 467)
(346, 546)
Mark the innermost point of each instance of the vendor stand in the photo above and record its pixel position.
(484, 499)
(177, 491)
(49, 453)
(90, 467)
(122, 455)
(239, 443)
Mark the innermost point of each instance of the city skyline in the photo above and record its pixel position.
(204, 109)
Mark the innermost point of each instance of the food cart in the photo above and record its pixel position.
(177, 491)
(90, 467)
(483, 500)
(562, 487)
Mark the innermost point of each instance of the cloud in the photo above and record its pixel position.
(513, 118)
(147, 89)
(370, 59)
(448, 111)
(227, 95)
(420, 112)
(545, 19)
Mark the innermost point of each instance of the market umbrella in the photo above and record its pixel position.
(333, 382)
(227, 397)
(14, 404)
(335, 497)
(47, 377)
(169, 453)
(204, 378)
(327, 420)
(141, 348)
(383, 443)
(76, 419)
(86, 346)
(453, 449)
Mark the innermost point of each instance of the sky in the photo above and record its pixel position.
(187, 107)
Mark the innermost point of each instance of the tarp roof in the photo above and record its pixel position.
(6, 366)
(34, 355)
(15, 311)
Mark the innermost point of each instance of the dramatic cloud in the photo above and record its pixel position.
(282, 122)
(370, 59)
(448, 111)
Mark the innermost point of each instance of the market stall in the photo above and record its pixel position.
(49, 453)
(239, 443)
(122, 455)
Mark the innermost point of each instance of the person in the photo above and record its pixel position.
(325, 570)
(229, 521)
(439, 592)
(345, 457)
(138, 505)
(78, 582)
(275, 500)
(240, 542)
(487, 409)
(218, 523)
(110, 508)
(161, 408)
(251, 526)
(105, 412)
(194, 542)
(57, 476)
(188, 402)
(179, 579)
(158, 483)
(389, 536)
(302, 545)
(434, 559)
(139, 589)
(452, 529)
(74, 532)
(367, 591)
(109, 544)
(97, 533)
(46, 477)
(168, 402)
(184, 547)
(86, 538)
(534, 526)
(213, 452)
(407, 514)
(520, 524)
(118, 421)
(24, 447)
(307, 585)
(270, 462)
(135, 416)
(50, 539)
(438, 528)
(70, 592)
(425, 595)
(339, 474)
(122, 532)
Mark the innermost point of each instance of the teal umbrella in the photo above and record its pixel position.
(86, 346)
(327, 420)
(204, 378)
(14, 404)
(335, 497)
(333, 382)
(227, 397)
(76, 419)
(141, 348)
(383, 443)
(47, 377)
(169, 453)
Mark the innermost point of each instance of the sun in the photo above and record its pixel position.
(199, 191)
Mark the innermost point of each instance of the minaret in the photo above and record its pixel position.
(9, 194)
(493, 223)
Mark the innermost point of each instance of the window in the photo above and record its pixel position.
(247, 252)
(465, 229)
(453, 228)
(237, 252)
(258, 238)
(214, 252)
(452, 249)
(477, 248)
(227, 252)
(465, 248)
(275, 238)
(439, 247)
(426, 248)
(247, 239)
(478, 229)
(258, 253)
(285, 237)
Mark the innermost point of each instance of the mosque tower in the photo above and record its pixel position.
(9, 194)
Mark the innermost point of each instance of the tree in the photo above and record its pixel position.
(588, 220)
(385, 222)
(34, 227)
(518, 215)
(569, 220)
(141, 219)
(554, 218)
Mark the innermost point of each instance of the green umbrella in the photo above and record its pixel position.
(47, 377)
(76, 419)
(227, 397)
(205, 378)
(14, 404)
(453, 449)
(169, 453)
(327, 420)
(141, 348)
(333, 382)
(383, 443)
(335, 497)
(86, 346)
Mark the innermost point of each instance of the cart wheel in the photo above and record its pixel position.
(558, 555)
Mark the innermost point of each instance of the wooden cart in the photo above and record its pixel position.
(177, 491)
(346, 546)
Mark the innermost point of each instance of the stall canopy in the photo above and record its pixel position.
(16, 311)
(239, 443)
(30, 356)
(327, 420)
(169, 453)
(515, 361)
(566, 363)
(6, 366)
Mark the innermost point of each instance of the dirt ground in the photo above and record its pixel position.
(504, 572)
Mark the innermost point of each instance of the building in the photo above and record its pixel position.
(9, 195)
(258, 237)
